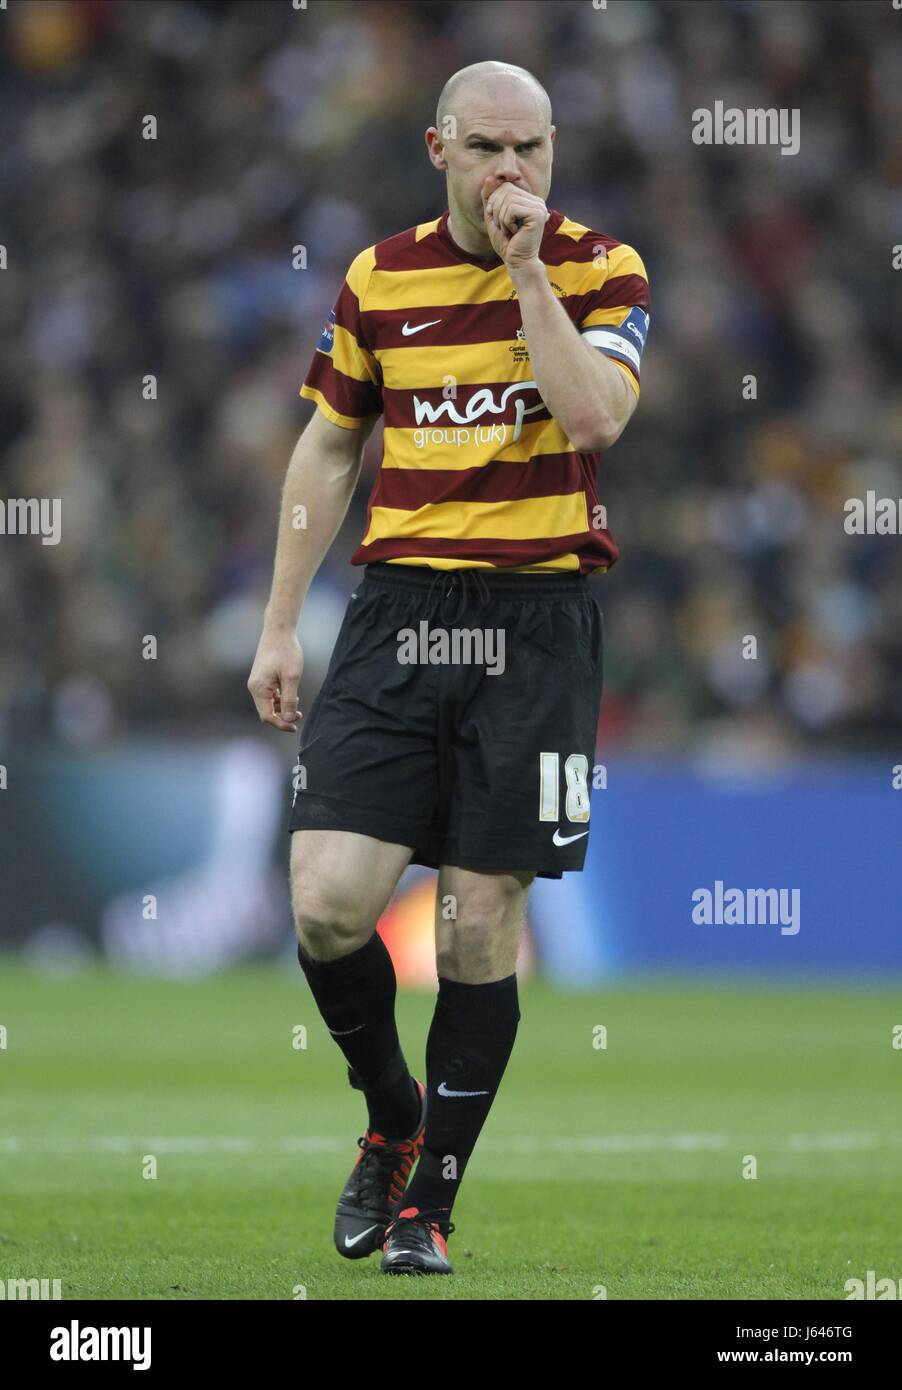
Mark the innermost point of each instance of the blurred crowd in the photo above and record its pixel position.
(156, 328)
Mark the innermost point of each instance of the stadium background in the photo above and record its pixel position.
(280, 127)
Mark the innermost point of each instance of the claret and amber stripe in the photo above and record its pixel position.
(420, 487)
(557, 553)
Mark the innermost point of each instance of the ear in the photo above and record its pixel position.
(436, 149)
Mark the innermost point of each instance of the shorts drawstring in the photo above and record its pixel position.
(457, 585)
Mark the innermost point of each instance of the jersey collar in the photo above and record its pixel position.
(490, 262)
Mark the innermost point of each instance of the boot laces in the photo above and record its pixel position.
(427, 1218)
(378, 1166)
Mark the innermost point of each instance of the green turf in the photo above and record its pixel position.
(617, 1167)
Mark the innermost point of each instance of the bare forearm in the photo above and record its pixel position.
(315, 499)
(584, 391)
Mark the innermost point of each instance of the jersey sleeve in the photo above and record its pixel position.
(616, 311)
(344, 377)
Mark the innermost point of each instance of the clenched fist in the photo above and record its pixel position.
(515, 221)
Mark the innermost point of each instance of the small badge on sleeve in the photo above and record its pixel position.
(327, 339)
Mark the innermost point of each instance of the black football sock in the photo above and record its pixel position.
(356, 998)
(470, 1040)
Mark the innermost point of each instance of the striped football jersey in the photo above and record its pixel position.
(475, 471)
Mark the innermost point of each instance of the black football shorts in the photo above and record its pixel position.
(458, 716)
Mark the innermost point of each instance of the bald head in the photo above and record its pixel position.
(493, 126)
(491, 78)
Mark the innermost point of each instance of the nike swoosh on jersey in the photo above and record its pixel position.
(407, 331)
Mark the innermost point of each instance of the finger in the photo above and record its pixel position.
(517, 205)
(508, 215)
(491, 214)
(279, 724)
(487, 193)
(287, 682)
(495, 201)
(267, 703)
(283, 713)
(287, 707)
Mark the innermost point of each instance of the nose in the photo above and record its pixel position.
(506, 170)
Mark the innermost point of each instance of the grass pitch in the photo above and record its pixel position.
(617, 1168)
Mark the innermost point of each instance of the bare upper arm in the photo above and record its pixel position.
(324, 434)
(335, 442)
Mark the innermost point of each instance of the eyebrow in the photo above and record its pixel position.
(489, 140)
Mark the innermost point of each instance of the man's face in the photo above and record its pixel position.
(500, 138)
